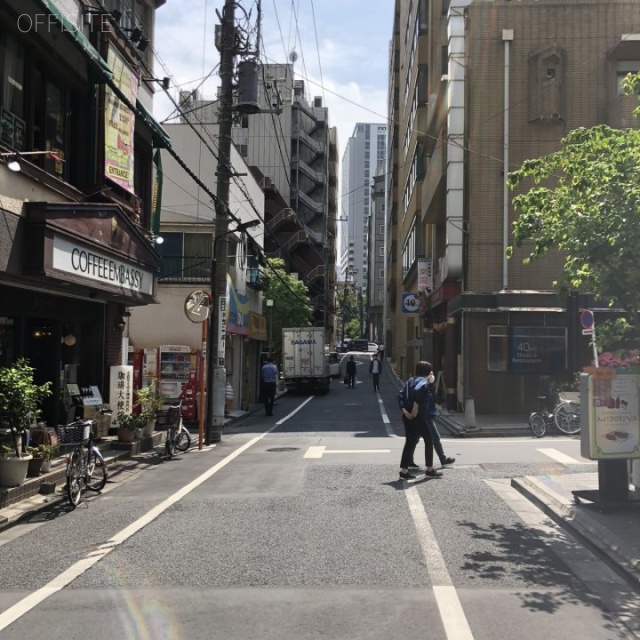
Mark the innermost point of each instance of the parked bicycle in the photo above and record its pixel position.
(86, 468)
(178, 437)
(565, 416)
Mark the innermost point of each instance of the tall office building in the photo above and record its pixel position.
(363, 158)
(292, 152)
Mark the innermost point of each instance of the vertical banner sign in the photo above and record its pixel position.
(121, 389)
(156, 207)
(119, 123)
(222, 329)
(425, 275)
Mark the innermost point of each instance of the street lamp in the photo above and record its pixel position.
(216, 339)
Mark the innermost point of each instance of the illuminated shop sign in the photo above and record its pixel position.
(94, 265)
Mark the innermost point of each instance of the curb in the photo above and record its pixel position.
(599, 539)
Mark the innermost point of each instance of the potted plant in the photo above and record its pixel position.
(20, 400)
(127, 425)
(149, 402)
(41, 460)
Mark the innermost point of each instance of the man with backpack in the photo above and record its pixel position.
(418, 405)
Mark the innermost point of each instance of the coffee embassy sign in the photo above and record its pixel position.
(89, 263)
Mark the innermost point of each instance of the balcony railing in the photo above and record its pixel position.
(185, 269)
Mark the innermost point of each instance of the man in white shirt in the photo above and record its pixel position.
(374, 371)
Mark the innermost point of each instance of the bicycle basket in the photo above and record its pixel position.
(73, 433)
(173, 415)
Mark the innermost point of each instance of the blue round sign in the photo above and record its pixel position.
(586, 319)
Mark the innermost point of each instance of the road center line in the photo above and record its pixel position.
(558, 456)
(453, 618)
(58, 583)
(385, 419)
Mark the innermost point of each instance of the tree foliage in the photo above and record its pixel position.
(585, 201)
(347, 303)
(290, 297)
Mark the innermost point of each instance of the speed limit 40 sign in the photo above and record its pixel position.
(410, 303)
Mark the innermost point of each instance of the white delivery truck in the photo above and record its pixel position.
(305, 366)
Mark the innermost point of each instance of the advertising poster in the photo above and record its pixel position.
(119, 123)
(614, 424)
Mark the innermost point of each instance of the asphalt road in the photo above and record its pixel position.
(296, 526)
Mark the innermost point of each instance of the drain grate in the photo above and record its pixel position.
(280, 449)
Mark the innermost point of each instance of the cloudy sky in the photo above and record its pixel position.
(342, 48)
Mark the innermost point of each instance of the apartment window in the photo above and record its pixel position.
(381, 231)
(380, 296)
(409, 252)
(444, 62)
(185, 256)
(381, 274)
(381, 252)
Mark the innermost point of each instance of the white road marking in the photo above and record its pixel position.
(358, 451)
(558, 456)
(318, 451)
(25, 605)
(385, 420)
(290, 415)
(453, 618)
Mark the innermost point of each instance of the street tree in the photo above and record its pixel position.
(291, 307)
(585, 202)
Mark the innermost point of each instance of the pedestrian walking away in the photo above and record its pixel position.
(417, 403)
(351, 373)
(381, 352)
(269, 376)
(374, 371)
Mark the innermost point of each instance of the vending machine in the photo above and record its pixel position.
(134, 359)
(175, 371)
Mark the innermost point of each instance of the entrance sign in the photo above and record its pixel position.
(121, 389)
(609, 415)
(222, 329)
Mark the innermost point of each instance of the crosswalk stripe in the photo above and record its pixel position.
(558, 456)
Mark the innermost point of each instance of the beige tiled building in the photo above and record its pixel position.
(477, 86)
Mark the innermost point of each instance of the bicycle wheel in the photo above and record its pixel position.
(183, 440)
(170, 443)
(567, 417)
(96, 472)
(75, 481)
(537, 424)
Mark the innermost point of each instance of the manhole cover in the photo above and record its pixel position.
(279, 449)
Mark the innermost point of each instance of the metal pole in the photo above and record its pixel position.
(216, 379)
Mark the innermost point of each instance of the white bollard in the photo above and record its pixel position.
(469, 413)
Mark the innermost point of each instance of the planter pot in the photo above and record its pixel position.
(149, 427)
(34, 467)
(138, 433)
(46, 466)
(13, 471)
(125, 435)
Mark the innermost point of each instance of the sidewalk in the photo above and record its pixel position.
(614, 535)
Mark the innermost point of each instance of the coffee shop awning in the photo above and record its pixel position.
(161, 139)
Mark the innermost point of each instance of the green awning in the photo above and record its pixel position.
(161, 138)
(66, 26)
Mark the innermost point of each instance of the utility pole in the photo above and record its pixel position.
(216, 374)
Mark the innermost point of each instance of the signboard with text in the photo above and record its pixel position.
(425, 275)
(121, 389)
(410, 303)
(610, 422)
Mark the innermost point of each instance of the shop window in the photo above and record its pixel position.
(12, 114)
